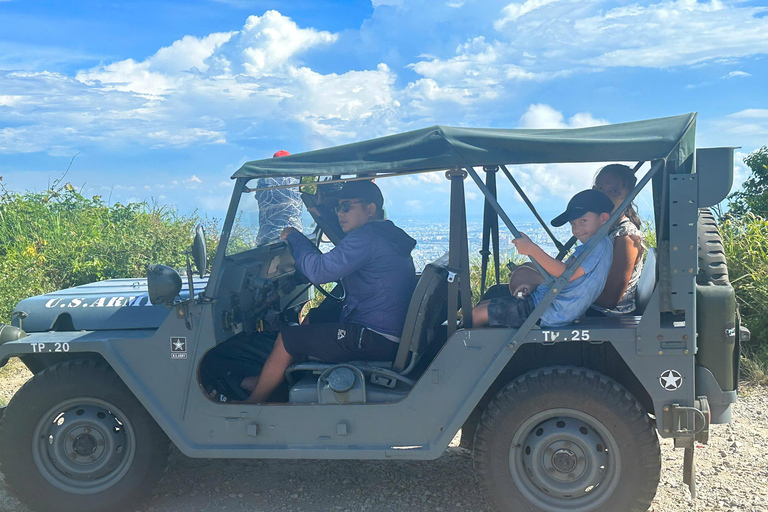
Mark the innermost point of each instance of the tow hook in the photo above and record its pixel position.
(688, 425)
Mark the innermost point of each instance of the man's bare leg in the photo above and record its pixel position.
(271, 375)
(480, 314)
(249, 383)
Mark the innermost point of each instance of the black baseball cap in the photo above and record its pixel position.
(363, 189)
(583, 202)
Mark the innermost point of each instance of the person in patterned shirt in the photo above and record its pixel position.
(278, 208)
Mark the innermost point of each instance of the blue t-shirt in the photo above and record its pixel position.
(578, 294)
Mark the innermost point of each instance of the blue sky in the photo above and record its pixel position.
(165, 99)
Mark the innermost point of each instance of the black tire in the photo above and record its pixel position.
(712, 264)
(565, 438)
(75, 439)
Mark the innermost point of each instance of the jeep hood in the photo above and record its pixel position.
(105, 305)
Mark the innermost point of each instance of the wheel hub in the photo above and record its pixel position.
(85, 445)
(82, 446)
(562, 460)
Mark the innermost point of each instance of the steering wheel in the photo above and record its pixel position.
(330, 295)
(337, 297)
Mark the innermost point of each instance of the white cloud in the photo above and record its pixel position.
(543, 116)
(740, 170)
(747, 129)
(514, 10)
(750, 113)
(685, 32)
(272, 39)
(10, 101)
(477, 64)
(193, 181)
(479, 73)
(538, 40)
(436, 178)
(578, 34)
(189, 52)
(163, 72)
(199, 90)
(735, 74)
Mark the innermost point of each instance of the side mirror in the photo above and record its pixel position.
(199, 251)
(163, 284)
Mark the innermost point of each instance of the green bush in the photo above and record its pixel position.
(753, 196)
(58, 239)
(745, 240)
(475, 272)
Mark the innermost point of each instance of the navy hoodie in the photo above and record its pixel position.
(374, 263)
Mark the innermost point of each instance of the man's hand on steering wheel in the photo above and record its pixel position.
(287, 231)
(283, 235)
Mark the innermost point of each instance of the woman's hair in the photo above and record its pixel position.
(628, 180)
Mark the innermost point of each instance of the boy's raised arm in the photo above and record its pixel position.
(528, 247)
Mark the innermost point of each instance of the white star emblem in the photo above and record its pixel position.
(178, 345)
(670, 380)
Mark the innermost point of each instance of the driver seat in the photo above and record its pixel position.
(382, 381)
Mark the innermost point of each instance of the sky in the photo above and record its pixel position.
(163, 100)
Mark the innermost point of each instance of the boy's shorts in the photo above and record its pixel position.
(509, 311)
(327, 339)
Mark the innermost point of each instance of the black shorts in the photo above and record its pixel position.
(509, 311)
(330, 341)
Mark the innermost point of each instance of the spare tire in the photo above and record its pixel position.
(713, 268)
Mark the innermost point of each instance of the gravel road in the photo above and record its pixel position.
(732, 475)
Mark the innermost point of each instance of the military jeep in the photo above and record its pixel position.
(562, 418)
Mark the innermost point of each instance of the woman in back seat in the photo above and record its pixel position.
(618, 297)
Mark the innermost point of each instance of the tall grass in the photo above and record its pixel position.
(475, 267)
(58, 238)
(746, 248)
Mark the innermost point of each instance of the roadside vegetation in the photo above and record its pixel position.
(58, 239)
(745, 236)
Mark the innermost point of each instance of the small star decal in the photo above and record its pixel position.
(670, 380)
(178, 345)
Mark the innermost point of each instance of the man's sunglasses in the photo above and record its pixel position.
(345, 206)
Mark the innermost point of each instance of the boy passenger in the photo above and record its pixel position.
(587, 211)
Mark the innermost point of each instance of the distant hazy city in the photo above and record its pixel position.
(432, 238)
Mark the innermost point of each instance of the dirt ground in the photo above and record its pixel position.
(732, 475)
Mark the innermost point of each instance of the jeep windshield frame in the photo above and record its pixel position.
(668, 143)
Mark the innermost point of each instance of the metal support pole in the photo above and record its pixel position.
(501, 213)
(490, 229)
(527, 201)
(458, 255)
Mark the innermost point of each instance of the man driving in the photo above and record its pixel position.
(374, 264)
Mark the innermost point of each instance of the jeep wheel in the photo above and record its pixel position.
(566, 439)
(712, 265)
(74, 438)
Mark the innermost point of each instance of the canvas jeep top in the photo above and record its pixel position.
(558, 419)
